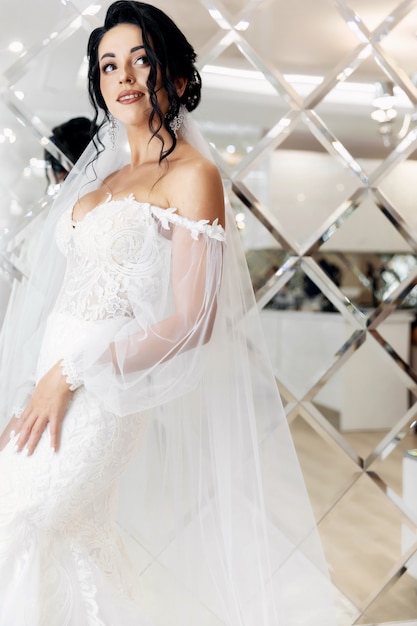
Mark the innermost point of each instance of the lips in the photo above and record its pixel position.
(128, 97)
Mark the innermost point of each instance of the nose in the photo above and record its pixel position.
(125, 76)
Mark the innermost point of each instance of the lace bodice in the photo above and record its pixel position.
(118, 244)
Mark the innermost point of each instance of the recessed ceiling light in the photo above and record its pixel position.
(16, 46)
(92, 10)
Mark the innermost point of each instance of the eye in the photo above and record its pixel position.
(108, 67)
(142, 60)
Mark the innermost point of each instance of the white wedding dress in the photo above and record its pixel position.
(62, 560)
(175, 440)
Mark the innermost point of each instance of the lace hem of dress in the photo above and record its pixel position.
(70, 373)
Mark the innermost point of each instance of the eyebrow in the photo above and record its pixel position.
(112, 55)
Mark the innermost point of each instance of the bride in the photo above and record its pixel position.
(147, 473)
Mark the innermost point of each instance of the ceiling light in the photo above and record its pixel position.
(242, 25)
(218, 17)
(384, 115)
(92, 10)
(16, 46)
(384, 98)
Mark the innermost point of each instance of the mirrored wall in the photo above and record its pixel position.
(310, 109)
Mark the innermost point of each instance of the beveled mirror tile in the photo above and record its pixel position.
(404, 427)
(396, 186)
(267, 291)
(368, 393)
(316, 456)
(365, 137)
(197, 25)
(367, 231)
(303, 343)
(397, 469)
(280, 487)
(265, 263)
(54, 19)
(400, 43)
(372, 13)
(46, 87)
(22, 175)
(352, 273)
(277, 33)
(254, 235)
(315, 185)
(327, 279)
(396, 605)
(235, 7)
(264, 215)
(397, 599)
(371, 527)
(232, 86)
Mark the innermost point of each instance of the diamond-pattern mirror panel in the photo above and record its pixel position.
(371, 13)
(310, 108)
(311, 185)
(367, 393)
(280, 22)
(371, 528)
(18, 26)
(317, 454)
(382, 132)
(400, 599)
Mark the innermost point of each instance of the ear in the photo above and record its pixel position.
(180, 85)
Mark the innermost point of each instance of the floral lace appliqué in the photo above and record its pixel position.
(116, 252)
(213, 230)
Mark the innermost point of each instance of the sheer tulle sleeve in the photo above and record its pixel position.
(135, 363)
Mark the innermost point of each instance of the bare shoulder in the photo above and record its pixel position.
(195, 187)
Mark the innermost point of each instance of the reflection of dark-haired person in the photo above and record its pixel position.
(139, 407)
(71, 138)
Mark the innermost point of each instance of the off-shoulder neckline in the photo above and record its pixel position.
(111, 200)
(165, 216)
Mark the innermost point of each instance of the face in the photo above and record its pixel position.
(124, 70)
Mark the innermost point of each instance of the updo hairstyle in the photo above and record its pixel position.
(167, 49)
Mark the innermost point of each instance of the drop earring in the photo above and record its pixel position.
(114, 129)
(177, 121)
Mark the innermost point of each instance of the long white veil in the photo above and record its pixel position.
(215, 498)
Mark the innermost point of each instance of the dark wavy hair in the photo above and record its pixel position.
(167, 49)
(71, 137)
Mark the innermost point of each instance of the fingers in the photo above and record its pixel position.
(30, 431)
(35, 434)
(55, 433)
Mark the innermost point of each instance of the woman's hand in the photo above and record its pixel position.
(48, 404)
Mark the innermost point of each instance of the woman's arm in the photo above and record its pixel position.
(196, 191)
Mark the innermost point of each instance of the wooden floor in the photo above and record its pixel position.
(364, 534)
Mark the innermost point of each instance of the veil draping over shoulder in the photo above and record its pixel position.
(215, 497)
